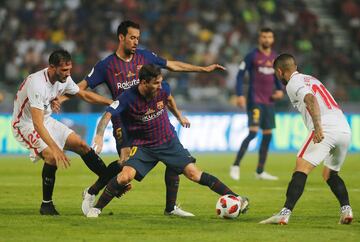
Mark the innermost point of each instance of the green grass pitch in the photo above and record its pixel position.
(138, 216)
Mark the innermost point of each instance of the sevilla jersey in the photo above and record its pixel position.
(332, 118)
(37, 91)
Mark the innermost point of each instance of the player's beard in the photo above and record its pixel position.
(59, 79)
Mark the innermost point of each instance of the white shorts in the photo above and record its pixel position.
(332, 149)
(27, 136)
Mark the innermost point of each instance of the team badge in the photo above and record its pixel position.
(160, 105)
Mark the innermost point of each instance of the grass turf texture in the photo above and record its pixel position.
(138, 216)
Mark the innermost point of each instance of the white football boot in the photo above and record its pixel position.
(281, 218)
(235, 172)
(244, 204)
(88, 201)
(266, 176)
(346, 215)
(93, 213)
(179, 212)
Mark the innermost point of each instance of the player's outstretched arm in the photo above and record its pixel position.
(38, 121)
(185, 67)
(56, 103)
(171, 105)
(277, 95)
(314, 110)
(100, 130)
(94, 98)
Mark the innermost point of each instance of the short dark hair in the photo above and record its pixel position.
(284, 61)
(266, 30)
(58, 56)
(124, 25)
(148, 72)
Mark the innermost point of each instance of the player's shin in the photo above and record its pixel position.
(215, 184)
(172, 186)
(295, 189)
(113, 189)
(338, 187)
(112, 170)
(48, 181)
(94, 163)
(263, 151)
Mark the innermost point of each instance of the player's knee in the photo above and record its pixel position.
(83, 147)
(327, 174)
(126, 175)
(192, 173)
(48, 157)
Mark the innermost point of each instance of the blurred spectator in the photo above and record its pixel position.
(195, 31)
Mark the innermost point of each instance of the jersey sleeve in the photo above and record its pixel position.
(119, 105)
(244, 66)
(154, 58)
(71, 87)
(166, 87)
(278, 84)
(298, 90)
(97, 75)
(36, 95)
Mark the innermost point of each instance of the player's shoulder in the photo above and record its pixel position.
(107, 59)
(38, 78)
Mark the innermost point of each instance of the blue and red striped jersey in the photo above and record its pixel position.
(146, 121)
(262, 77)
(120, 75)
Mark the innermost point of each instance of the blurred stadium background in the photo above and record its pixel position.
(323, 35)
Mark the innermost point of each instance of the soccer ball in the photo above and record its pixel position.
(228, 206)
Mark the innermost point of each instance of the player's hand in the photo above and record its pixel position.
(214, 67)
(184, 122)
(241, 101)
(318, 135)
(277, 95)
(55, 105)
(61, 160)
(98, 144)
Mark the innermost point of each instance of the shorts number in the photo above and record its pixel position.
(133, 150)
(119, 134)
(256, 115)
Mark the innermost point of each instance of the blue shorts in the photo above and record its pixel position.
(172, 154)
(261, 115)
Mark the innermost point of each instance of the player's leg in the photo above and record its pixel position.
(253, 122)
(194, 174)
(333, 163)
(48, 182)
(139, 164)
(172, 187)
(267, 123)
(91, 159)
(308, 158)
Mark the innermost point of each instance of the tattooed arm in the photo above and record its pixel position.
(314, 110)
(100, 130)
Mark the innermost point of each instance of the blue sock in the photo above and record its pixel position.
(264, 147)
(243, 147)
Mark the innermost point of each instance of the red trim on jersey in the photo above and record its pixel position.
(306, 144)
(21, 112)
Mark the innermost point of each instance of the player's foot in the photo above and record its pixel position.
(88, 201)
(178, 212)
(244, 201)
(266, 176)
(235, 172)
(48, 209)
(93, 213)
(281, 218)
(346, 215)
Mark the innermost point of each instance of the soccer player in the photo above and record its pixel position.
(260, 101)
(328, 140)
(153, 139)
(45, 137)
(120, 71)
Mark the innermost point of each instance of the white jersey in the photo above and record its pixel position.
(38, 92)
(332, 118)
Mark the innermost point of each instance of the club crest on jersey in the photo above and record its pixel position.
(160, 105)
(138, 67)
(130, 74)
